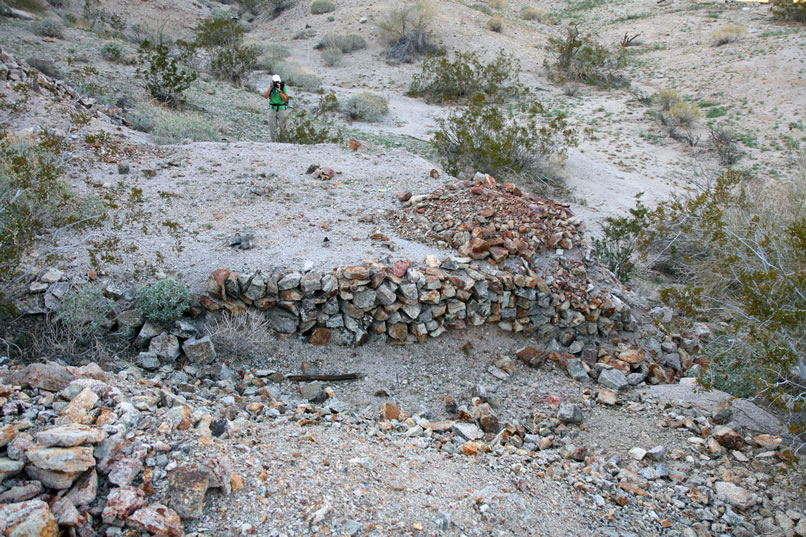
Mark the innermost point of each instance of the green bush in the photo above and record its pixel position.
(788, 10)
(484, 8)
(164, 300)
(406, 31)
(328, 105)
(113, 51)
(305, 130)
(164, 80)
(578, 58)
(296, 75)
(345, 42)
(332, 56)
(232, 63)
(366, 106)
(48, 28)
(84, 311)
(495, 24)
(218, 32)
(674, 111)
(26, 5)
(319, 7)
(442, 80)
(615, 249)
(486, 138)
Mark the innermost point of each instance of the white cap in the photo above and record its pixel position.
(276, 78)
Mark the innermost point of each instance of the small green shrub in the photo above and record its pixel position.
(532, 14)
(164, 80)
(84, 311)
(615, 249)
(366, 106)
(113, 51)
(345, 42)
(232, 63)
(48, 28)
(305, 130)
(332, 56)
(319, 7)
(164, 300)
(495, 24)
(788, 10)
(443, 80)
(725, 143)
(580, 59)
(296, 75)
(46, 67)
(328, 105)
(406, 31)
(218, 32)
(486, 138)
(681, 114)
(729, 33)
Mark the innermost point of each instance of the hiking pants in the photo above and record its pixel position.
(277, 123)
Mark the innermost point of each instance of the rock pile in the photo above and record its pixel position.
(14, 72)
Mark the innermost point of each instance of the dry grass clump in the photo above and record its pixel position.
(366, 106)
(406, 31)
(532, 14)
(497, 4)
(729, 33)
(496, 24)
(675, 112)
(246, 336)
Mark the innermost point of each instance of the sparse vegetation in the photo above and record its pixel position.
(113, 51)
(532, 14)
(729, 33)
(305, 130)
(318, 7)
(725, 143)
(497, 4)
(579, 58)
(616, 248)
(483, 137)
(296, 75)
(406, 31)
(164, 300)
(245, 337)
(85, 311)
(676, 112)
(366, 106)
(230, 58)
(26, 5)
(495, 24)
(46, 67)
(443, 80)
(172, 126)
(332, 56)
(344, 42)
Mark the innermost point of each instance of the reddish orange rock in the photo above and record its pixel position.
(632, 356)
(320, 336)
(390, 411)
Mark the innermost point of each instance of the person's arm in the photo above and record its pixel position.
(284, 95)
(267, 93)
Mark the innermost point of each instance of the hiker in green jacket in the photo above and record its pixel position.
(277, 94)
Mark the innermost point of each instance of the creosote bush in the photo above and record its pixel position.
(344, 42)
(164, 300)
(406, 31)
(113, 51)
(443, 80)
(319, 7)
(505, 143)
(164, 79)
(332, 56)
(366, 106)
(676, 112)
(85, 311)
(729, 33)
(579, 58)
(230, 58)
(48, 28)
(305, 130)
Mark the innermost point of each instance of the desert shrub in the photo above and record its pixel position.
(153, 36)
(276, 7)
(579, 58)
(483, 137)
(618, 243)
(344, 42)
(171, 126)
(729, 33)
(46, 67)
(164, 300)
(305, 130)
(85, 311)
(681, 114)
(26, 5)
(296, 75)
(232, 63)
(532, 14)
(666, 98)
(788, 10)
(164, 79)
(484, 8)
(322, 6)
(495, 24)
(726, 144)
(48, 28)
(328, 105)
(366, 106)
(497, 4)
(740, 257)
(57, 3)
(113, 51)
(406, 31)
(246, 337)
(271, 56)
(444, 80)
(332, 56)
(217, 32)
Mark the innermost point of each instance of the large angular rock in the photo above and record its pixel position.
(289, 281)
(576, 370)
(186, 490)
(148, 361)
(727, 437)
(27, 519)
(735, 495)
(570, 413)
(52, 479)
(166, 347)
(157, 519)
(9, 467)
(70, 436)
(148, 332)
(76, 411)
(21, 493)
(59, 459)
(7, 434)
(200, 351)
(282, 321)
(129, 323)
(85, 489)
(613, 379)
(49, 377)
(66, 513)
(121, 503)
(469, 431)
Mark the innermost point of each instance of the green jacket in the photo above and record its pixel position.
(275, 100)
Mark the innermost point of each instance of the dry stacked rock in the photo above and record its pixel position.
(15, 72)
